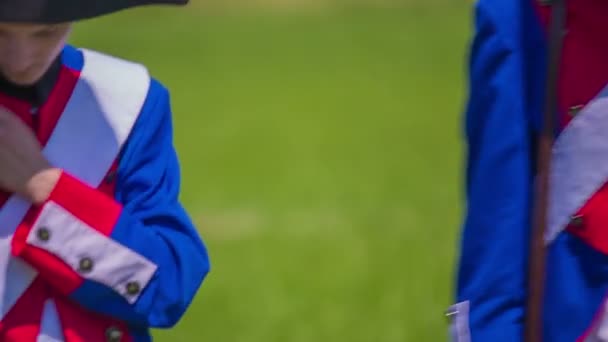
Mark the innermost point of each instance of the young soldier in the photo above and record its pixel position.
(503, 118)
(94, 245)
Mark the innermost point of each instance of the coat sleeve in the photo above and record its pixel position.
(491, 286)
(136, 257)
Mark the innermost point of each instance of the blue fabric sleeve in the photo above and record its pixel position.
(494, 245)
(154, 224)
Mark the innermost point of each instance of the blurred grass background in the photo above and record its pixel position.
(321, 157)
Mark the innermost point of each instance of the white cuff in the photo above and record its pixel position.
(93, 255)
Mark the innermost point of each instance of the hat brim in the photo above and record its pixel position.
(60, 11)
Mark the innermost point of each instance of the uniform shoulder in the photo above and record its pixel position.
(74, 58)
(77, 58)
(101, 62)
(112, 81)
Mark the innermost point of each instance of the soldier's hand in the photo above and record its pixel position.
(23, 168)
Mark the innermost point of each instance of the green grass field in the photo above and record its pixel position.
(321, 158)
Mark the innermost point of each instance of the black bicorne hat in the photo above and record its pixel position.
(58, 11)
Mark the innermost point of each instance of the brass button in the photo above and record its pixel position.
(113, 334)
(574, 110)
(85, 265)
(43, 234)
(577, 221)
(133, 288)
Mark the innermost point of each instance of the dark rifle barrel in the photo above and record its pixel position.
(537, 257)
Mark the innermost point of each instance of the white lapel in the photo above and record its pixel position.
(579, 164)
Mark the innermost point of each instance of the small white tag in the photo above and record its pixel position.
(459, 322)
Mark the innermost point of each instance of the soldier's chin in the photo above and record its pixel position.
(23, 79)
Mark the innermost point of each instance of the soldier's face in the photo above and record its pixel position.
(28, 50)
